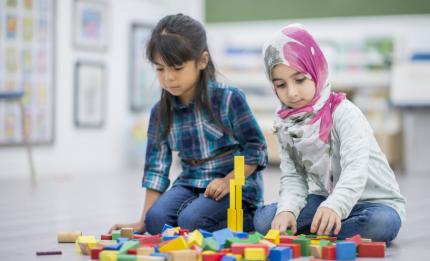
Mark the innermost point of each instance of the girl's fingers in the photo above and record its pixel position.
(316, 222)
(338, 225)
(330, 225)
(323, 224)
(293, 227)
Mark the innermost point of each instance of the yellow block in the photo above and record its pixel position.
(150, 258)
(68, 237)
(232, 219)
(232, 194)
(178, 243)
(238, 197)
(274, 236)
(315, 241)
(108, 255)
(195, 238)
(84, 240)
(239, 220)
(239, 170)
(145, 251)
(255, 254)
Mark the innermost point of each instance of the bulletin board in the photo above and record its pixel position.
(27, 49)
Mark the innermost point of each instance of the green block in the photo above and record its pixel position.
(131, 244)
(231, 241)
(325, 243)
(209, 243)
(123, 257)
(311, 236)
(289, 232)
(116, 234)
(305, 249)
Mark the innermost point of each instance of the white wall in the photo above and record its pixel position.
(101, 151)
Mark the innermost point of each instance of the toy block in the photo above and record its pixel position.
(168, 238)
(231, 241)
(95, 252)
(228, 258)
(108, 255)
(127, 232)
(145, 251)
(85, 248)
(183, 231)
(283, 239)
(48, 253)
(357, 239)
(239, 220)
(116, 246)
(195, 238)
(132, 251)
(68, 237)
(294, 247)
(345, 250)
(232, 194)
(273, 235)
(125, 257)
(239, 170)
(366, 240)
(257, 254)
(311, 236)
(150, 239)
(304, 246)
(267, 242)
(329, 252)
(238, 197)
(239, 248)
(211, 256)
(103, 243)
(106, 237)
(151, 258)
(122, 240)
(289, 232)
(242, 235)
(210, 243)
(186, 254)
(205, 233)
(280, 254)
(231, 219)
(84, 240)
(325, 243)
(164, 255)
(132, 244)
(166, 226)
(170, 232)
(371, 249)
(222, 235)
(175, 244)
(316, 251)
(254, 238)
(116, 234)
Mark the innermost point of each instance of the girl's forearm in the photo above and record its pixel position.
(150, 197)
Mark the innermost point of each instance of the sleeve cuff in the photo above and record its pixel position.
(155, 183)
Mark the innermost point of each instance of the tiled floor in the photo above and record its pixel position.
(30, 217)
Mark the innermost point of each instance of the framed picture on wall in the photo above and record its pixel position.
(143, 85)
(90, 24)
(90, 92)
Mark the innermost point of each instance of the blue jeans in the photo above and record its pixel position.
(188, 208)
(371, 220)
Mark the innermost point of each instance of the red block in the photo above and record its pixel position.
(357, 239)
(225, 250)
(294, 247)
(239, 248)
(132, 251)
(371, 249)
(183, 231)
(329, 252)
(149, 239)
(287, 239)
(106, 237)
(95, 252)
(213, 256)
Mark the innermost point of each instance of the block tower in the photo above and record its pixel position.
(235, 212)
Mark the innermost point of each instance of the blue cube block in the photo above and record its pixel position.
(166, 256)
(229, 258)
(222, 235)
(113, 247)
(122, 239)
(205, 233)
(166, 226)
(345, 250)
(280, 254)
(241, 234)
(167, 238)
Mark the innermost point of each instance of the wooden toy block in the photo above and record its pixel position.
(255, 254)
(325, 242)
(232, 194)
(180, 255)
(195, 238)
(239, 248)
(132, 244)
(166, 226)
(222, 235)
(314, 242)
(85, 247)
(316, 251)
(239, 170)
(210, 243)
(239, 220)
(175, 244)
(170, 232)
(106, 237)
(231, 219)
(108, 255)
(212, 256)
(132, 251)
(267, 242)
(167, 238)
(150, 239)
(357, 239)
(151, 258)
(84, 240)
(68, 237)
(371, 249)
(294, 247)
(145, 251)
(329, 252)
(345, 250)
(228, 258)
(304, 246)
(238, 190)
(95, 252)
(127, 232)
(366, 240)
(125, 257)
(280, 254)
(103, 243)
(284, 239)
(116, 234)
(236, 257)
(205, 233)
(274, 235)
(183, 232)
(241, 235)
(115, 247)
(48, 253)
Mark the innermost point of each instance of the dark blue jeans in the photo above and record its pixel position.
(371, 220)
(188, 208)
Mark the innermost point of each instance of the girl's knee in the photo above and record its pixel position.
(154, 220)
(263, 218)
(189, 220)
(382, 226)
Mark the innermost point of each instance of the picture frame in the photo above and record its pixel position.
(143, 85)
(90, 92)
(90, 25)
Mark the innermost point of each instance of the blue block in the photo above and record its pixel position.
(222, 235)
(280, 254)
(241, 235)
(166, 256)
(205, 233)
(167, 238)
(113, 247)
(345, 250)
(229, 258)
(122, 239)
(166, 226)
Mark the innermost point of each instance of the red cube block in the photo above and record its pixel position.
(287, 239)
(294, 247)
(132, 251)
(213, 256)
(357, 239)
(149, 239)
(183, 231)
(329, 252)
(371, 249)
(106, 237)
(95, 252)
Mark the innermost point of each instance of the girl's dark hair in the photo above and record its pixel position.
(179, 39)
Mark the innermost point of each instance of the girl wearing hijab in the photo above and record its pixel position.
(335, 178)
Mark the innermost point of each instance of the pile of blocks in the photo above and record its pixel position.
(176, 244)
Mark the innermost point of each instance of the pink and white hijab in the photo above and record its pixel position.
(305, 132)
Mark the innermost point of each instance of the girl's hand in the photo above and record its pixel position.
(324, 221)
(138, 226)
(218, 188)
(285, 220)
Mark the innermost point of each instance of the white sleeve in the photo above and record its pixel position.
(354, 132)
(293, 188)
